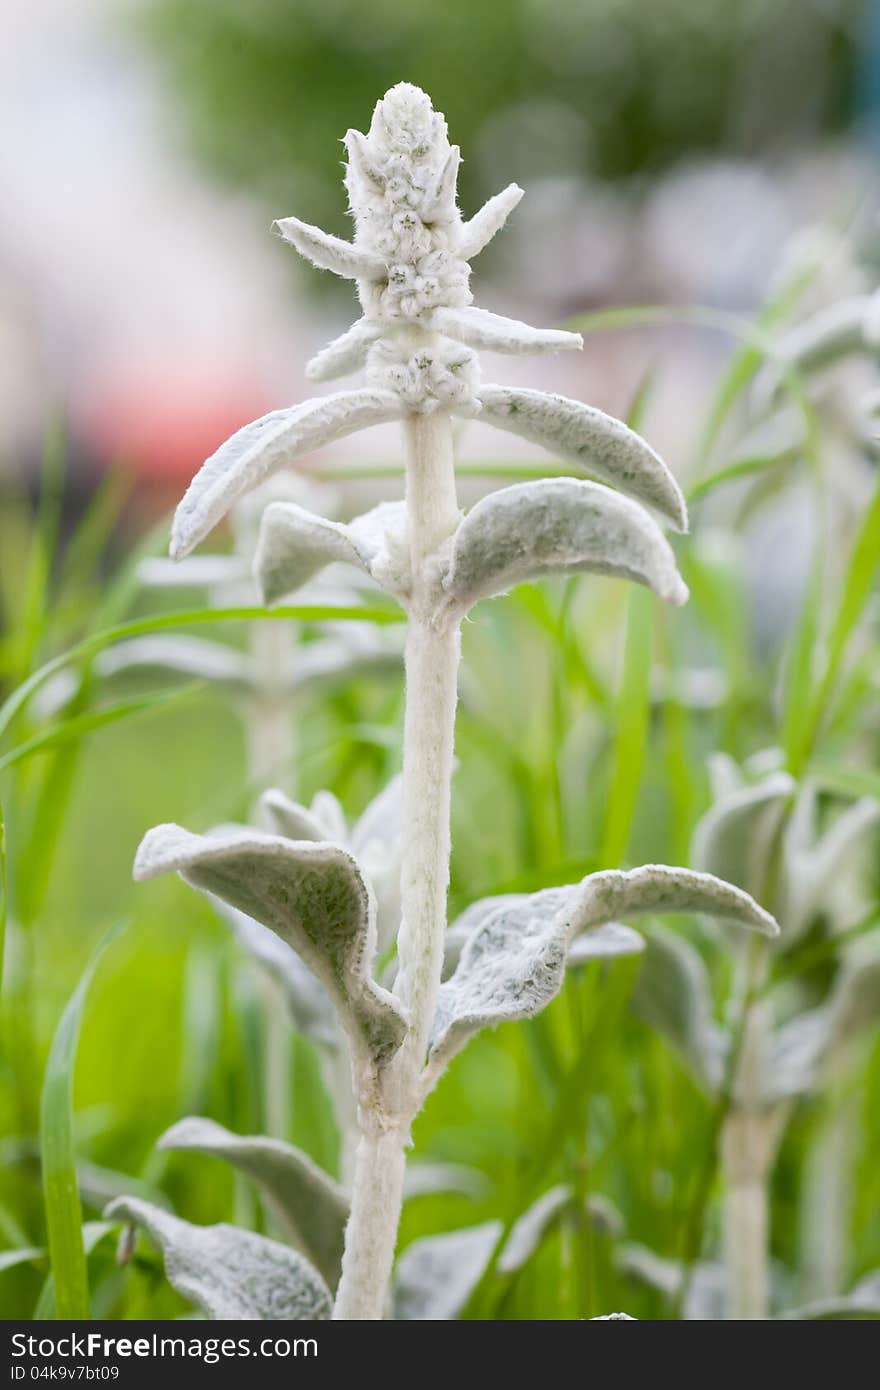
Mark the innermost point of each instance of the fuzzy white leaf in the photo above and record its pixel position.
(258, 450)
(514, 963)
(814, 868)
(478, 231)
(436, 1276)
(733, 838)
(331, 252)
(312, 895)
(827, 336)
(673, 995)
(177, 655)
(345, 354)
(557, 526)
(381, 821)
(487, 332)
(230, 1274)
(794, 1057)
(289, 818)
(599, 444)
(294, 545)
(614, 1317)
(440, 203)
(863, 1301)
(308, 1003)
(310, 1207)
(527, 1233)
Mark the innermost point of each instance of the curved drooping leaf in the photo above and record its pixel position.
(310, 1207)
(514, 962)
(529, 1231)
(374, 840)
(597, 443)
(733, 838)
(196, 572)
(258, 450)
(795, 1054)
(436, 1276)
(673, 995)
(854, 1004)
(328, 252)
(826, 337)
(863, 1301)
(230, 1274)
(294, 545)
(813, 867)
(478, 231)
(557, 526)
(179, 655)
(290, 818)
(480, 329)
(345, 354)
(312, 895)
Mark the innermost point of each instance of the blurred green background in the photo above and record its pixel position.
(679, 153)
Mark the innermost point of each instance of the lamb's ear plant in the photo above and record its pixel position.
(779, 1039)
(417, 340)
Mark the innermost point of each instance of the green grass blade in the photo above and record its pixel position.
(861, 572)
(631, 723)
(3, 894)
(191, 617)
(70, 730)
(740, 468)
(60, 1192)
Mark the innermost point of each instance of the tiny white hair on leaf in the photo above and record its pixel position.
(478, 328)
(294, 545)
(310, 1207)
(229, 1274)
(557, 526)
(478, 231)
(330, 252)
(436, 1275)
(598, 443)
(258, 450)
(312, 894)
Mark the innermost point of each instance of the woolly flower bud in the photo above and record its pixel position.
(427, 377)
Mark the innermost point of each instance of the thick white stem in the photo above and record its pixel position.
(371, 1234)
(432, 659)
(748, 1143)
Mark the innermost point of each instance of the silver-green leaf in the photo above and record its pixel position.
(601, 446)
(557, 526)
(310, 1207)
(258, 450)
(436, 1276)
(228, 1273)
(313, 895)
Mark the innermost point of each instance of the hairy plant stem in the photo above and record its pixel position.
(432, 660)
(747, 1149)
